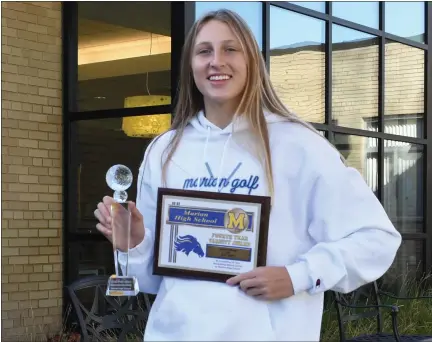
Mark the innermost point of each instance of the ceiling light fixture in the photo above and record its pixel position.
(146, 126)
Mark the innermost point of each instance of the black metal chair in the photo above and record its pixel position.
(116, 318)
(369, 305)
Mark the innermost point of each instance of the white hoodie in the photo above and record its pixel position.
(326, 227)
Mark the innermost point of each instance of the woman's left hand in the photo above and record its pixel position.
(268, 283)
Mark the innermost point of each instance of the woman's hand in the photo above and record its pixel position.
(268, 283)
(107, 225)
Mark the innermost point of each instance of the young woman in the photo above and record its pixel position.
(327, 229)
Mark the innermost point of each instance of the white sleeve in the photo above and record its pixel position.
(355, 241)
(141, 256)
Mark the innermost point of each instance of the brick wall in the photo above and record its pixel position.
(31, 169)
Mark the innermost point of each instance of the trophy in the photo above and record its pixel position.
(119, 179)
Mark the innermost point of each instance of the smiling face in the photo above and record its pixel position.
(219, 65)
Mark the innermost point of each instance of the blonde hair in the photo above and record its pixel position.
(258, 94)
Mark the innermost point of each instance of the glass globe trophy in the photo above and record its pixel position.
(119, 179)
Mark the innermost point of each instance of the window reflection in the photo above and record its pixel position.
(297, 62)
(124, 49)
(404, 90)
(313, 5)
(250, 11)
(354, 77)
(91, 258)
(403, 185)
(364, 13)
(101, 144)
(406, 268)
(87, 259)
(406, 19)
(360, 153)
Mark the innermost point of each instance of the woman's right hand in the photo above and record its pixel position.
(106, 223)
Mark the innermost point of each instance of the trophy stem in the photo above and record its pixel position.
(116, 262)
(128, 244)
(121, 221)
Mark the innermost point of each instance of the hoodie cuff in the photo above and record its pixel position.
(299, 277)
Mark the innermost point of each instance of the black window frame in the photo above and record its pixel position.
(180, 24)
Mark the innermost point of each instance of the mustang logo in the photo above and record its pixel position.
(187, 244)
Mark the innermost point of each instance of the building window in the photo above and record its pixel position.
(297, 62)
(404, 89)
(313, 5)
(91, 258)
(406, 19)
(93, 139)
(354, 76)
(360, 153)
(359, 12)
(119, 93)
(124, 50)
(356, 71)
(403, 185)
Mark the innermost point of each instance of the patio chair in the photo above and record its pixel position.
(108, 318)
(370, 306)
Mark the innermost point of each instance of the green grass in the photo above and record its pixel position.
(414, 317)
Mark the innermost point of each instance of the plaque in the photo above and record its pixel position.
(209, 235)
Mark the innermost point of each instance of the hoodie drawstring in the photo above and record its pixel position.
(205, 154)
(221, 164)
(220, 186)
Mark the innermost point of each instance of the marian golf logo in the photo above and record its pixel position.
(236, 220)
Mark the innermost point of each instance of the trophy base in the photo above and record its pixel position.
(122, 286)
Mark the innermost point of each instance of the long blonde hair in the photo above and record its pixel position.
(258, 94)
